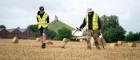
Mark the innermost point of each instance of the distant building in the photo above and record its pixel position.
(20, 33)
(27, 34)
(4, 33)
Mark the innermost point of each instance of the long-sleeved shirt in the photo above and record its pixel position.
(41, 15)
(90, 22)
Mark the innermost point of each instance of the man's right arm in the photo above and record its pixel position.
(37, 19)
(83, 24)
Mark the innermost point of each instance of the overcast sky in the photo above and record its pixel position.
(14, 13)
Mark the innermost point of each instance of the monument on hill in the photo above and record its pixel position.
(57, 24)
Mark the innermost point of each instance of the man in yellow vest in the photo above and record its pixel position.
(93, 27)
(43, 20)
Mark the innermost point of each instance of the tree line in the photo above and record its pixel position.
(112, 31)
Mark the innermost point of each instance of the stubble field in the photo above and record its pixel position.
(30, 50)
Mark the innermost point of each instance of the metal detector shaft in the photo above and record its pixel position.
(75, 31)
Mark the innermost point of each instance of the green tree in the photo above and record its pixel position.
(64, 33)
(111, 29)
(136, 36)
(131, 37)
(3, 26)
(33, 28)
(51, 34)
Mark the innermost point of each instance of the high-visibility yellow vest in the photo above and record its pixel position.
(94, 22)
(42, 22)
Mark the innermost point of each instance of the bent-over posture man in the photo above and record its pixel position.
(93, 27)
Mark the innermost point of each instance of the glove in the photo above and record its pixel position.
(100, 32)
(78, 29)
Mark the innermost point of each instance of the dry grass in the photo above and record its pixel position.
(30, 50)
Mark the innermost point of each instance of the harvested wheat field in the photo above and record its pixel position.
(30, 50)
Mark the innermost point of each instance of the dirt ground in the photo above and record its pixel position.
(30, 50)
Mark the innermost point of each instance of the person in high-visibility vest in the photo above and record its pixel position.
(93, 27)
(43, 20)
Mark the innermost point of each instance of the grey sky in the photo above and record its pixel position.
(14, 13)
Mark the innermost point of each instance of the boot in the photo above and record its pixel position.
(43, 45)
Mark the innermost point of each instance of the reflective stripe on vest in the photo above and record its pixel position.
(42, 22)
(94, 22)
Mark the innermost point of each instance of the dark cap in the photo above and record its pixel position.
(41, 8)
